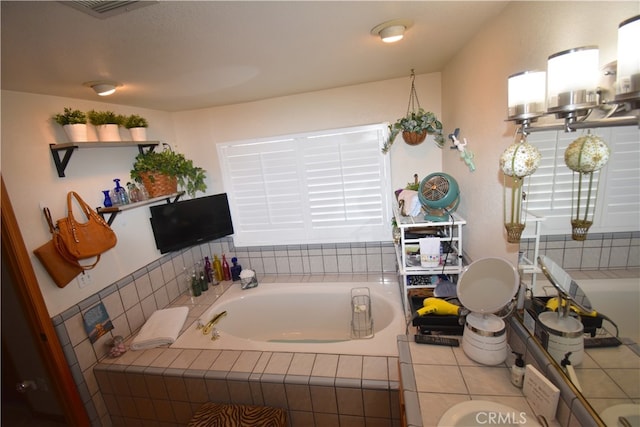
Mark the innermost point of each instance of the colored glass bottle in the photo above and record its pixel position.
(120, 193)
(208, 271)
(226, 271)
(195, 285)
(235, 269)
(107, 200)
(217, 268)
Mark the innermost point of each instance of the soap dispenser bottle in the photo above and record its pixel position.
(517, 371)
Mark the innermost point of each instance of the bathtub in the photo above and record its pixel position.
(303, 318)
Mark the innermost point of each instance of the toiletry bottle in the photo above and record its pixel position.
(208, 271)
(217, 268)
(226, 271)
(517, 371)
(235, 269)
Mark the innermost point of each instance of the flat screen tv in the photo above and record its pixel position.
(189, 222)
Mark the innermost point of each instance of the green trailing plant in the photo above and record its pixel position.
(134, 121)
(416, 121)
(190, 178)
(70, 117)
(98, 118)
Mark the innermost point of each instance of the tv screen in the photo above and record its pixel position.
(186, 223)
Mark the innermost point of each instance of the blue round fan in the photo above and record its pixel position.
(440, 195)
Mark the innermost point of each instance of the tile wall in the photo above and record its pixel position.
(132, 299)
(598, 251)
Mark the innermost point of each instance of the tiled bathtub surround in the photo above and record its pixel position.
(599, 251)
(131, 300)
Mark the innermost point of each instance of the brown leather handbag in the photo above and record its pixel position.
(81, 240)
(61, 271)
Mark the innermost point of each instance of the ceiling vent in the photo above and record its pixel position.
(105, 9)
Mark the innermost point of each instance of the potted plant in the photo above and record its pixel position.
(162, 172)
(414, 127)
(74, 123)
(137, 126)
(107, 124)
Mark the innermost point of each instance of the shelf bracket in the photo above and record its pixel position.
(150, 147)
(61, 163)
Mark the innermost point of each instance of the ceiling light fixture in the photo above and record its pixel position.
(391, 31)
(576, 90)
(103, 88)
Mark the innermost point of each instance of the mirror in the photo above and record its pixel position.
(607, 372)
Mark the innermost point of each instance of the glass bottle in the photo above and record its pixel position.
(134, 193)
(107, 200)
(195, 285)
(226, 272)
(235, 269)
(208, 272)
(217, 268)
(120, 193)
(143, 192)
(204, 286)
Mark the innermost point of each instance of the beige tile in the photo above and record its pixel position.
(145, 408)
(394, 374)
(246, 361)
(376, 368)
(376, 403)
(143, 357)
(261, 364)
(431, 354)
(596, 383)
(615, 357)
(628, 380)
(85, 354)
(164, 411)
(323, 399)
(156, 387)
(298, 397)
(196, 390)
(75, 329)
(129, 296)
(225, 361)
(325, 365)
(113, 304)
(439, 379)
(485, 380)
(165, 357)
(434, 405)
(185, 359)
(137, 385)
(350, 401)
(176, 388)
(301, 364)
(349, 366)
(278, 363)
(205, 359)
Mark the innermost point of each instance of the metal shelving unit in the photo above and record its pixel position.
(410, 229)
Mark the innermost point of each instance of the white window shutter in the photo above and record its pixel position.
(549, 190)
(319, 187)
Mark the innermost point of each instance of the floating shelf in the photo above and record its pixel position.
(68, 147)
(115, 210)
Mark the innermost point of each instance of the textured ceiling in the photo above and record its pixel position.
(181, 55)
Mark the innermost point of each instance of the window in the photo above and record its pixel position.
(322, 187)
(549, 190)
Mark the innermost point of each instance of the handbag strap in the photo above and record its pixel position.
(47, 215)
(59, 245)
(88, 211)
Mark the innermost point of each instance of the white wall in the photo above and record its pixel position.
(31, 178)
(474, 97)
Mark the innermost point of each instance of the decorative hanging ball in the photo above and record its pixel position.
(588, 153)
(520, 159)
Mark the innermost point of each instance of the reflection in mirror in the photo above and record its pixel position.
(608, 375)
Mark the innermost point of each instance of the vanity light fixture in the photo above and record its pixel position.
(103, 87)
(574, 91)
(391, 31)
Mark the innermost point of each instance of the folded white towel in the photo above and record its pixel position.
(412, 204)
(429, 251)
(162, 327)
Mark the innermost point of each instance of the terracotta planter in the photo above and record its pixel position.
(158, 184)
(414, 138)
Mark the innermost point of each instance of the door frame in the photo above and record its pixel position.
(37, 315)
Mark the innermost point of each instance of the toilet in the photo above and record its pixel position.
(485, 288)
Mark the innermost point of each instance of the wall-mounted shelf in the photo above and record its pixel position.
(68, 147)
(115, 210)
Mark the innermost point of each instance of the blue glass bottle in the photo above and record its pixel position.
(107, 200)
(120, 193)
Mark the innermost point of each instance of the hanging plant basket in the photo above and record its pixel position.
(414, 138)
(416, 124)
(158, 184)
